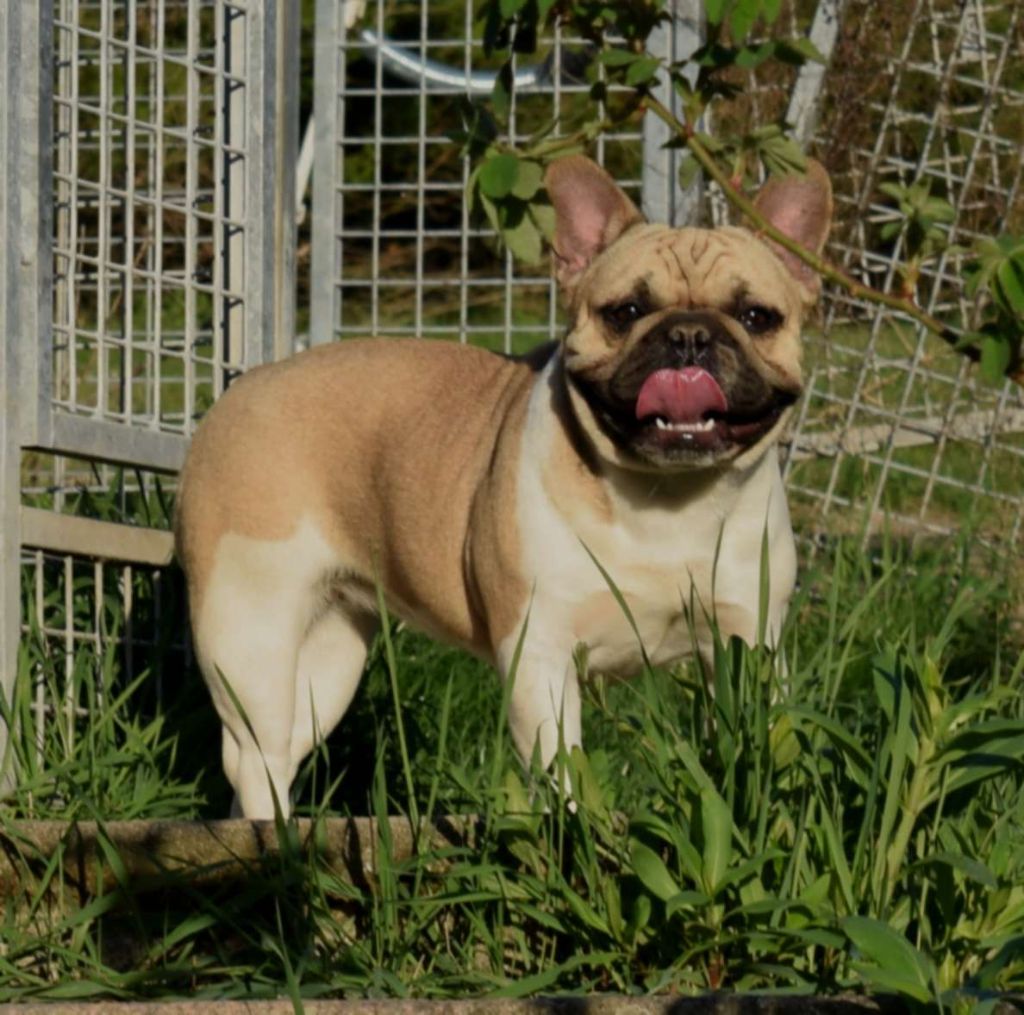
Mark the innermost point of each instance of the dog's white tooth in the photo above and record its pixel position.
(701, 426)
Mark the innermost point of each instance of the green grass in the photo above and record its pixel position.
(858, 823)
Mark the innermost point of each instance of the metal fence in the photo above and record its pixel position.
(894, 427)
(147, 173)
(147, 203)
(394, 248)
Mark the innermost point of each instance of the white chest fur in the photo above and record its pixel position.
(677, 549)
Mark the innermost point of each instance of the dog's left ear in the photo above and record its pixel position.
(801, 208)
(591, 211)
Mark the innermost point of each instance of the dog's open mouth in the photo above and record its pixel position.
(688, 408)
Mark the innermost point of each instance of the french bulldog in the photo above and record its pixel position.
(480, 493)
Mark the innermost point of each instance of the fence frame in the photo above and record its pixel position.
(267, 39)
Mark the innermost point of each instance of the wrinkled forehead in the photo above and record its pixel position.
(694, 267)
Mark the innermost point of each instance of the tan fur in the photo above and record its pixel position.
(298, 440)
(476, 493)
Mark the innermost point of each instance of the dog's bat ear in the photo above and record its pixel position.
(591, 211)
(801, 208)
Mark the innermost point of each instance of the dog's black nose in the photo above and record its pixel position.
(692, 338)
(692, 332)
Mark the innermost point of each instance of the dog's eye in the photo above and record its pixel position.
(759, 320)
(622, 315)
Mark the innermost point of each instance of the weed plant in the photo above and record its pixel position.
(853, 818)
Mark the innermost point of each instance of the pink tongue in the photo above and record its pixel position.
(681, 396)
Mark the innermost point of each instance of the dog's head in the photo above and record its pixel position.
(683, 348)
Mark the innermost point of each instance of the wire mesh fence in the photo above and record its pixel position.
(165, 229)
(163, 265)
(92, 629)
(894, 423)
(148, 181)
(396, 251)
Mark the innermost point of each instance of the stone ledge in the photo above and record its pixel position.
(207, 851)
(712, 1004)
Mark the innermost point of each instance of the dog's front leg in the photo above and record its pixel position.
(544, 700)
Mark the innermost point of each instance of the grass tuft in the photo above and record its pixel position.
(856, 822)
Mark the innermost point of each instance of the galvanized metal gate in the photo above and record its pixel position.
(147, 174)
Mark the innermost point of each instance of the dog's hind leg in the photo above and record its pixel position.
(249, 623)
(249, 661)
(331, 662)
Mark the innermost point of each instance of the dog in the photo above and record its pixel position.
(480, 493)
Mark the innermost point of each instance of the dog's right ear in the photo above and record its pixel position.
(591, 211)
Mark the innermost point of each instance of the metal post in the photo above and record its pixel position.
(802, 115)
(27, 157)
(286, 101)
(24, 298)
(243, 77)
(328, 71)
(664, 200)
(264, 114)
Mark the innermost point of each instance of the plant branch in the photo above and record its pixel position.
(824, 268)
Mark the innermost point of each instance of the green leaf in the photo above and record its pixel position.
(742, 17)
(510, 8)
(894, 190)
(501, 93)
(529, 178)
(714, 55)
(686, 900)
(938, 208)
(716, 821)
(798, 51)
(491, 211)
(996, 355)
(714, 9)
(652, 872)
(583, 910)
(770, 10)
(974, 869)
(858, 763)
(713, 144)
(498, 175)
(544, 216)
(1009, 286)
(585, 783)
(641, 915)
(751, 57)
(984, 763)
(689, 171)
(642, 70)
(895, 963)
(516, 799)
(782, 156)
(618, 57)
